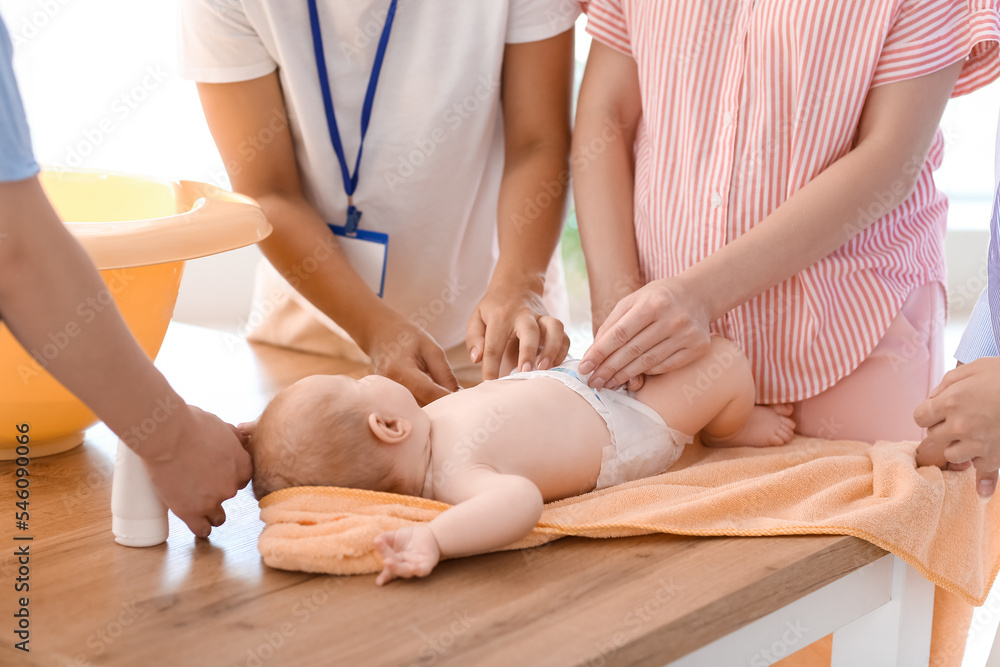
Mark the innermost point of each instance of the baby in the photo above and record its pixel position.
(499, 451)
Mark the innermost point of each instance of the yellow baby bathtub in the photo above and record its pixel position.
(138, 231)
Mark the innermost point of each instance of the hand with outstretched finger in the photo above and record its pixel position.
(963, 422)
(204, 465)
(656, 329)
(404, 352)
(508, 314)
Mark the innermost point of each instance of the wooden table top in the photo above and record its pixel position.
(633, 601)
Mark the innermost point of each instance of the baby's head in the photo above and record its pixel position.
(331, 430)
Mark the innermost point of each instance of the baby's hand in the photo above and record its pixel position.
(408, 552)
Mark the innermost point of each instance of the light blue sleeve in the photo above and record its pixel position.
(978, 340)
(17, 162)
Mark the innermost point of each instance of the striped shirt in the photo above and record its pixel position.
(978, 341)
(983, 333)
(744, 102)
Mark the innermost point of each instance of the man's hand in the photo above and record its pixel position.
(512, 313)
(963, 421)
(405, 353)
(408, 552)
(204, 464)
(660, 327)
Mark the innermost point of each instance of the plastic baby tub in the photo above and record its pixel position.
(138, 231)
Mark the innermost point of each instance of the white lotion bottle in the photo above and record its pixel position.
(138, 516)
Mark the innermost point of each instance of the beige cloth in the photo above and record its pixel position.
(933, 520)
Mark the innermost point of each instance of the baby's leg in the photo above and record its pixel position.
(715, 395)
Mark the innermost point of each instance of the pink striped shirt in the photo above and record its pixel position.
(746, 101)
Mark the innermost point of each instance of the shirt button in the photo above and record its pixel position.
(716, 200)
(727, 119)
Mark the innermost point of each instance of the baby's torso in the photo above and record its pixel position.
(537, 428)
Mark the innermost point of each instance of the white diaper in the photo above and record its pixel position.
(642, 445)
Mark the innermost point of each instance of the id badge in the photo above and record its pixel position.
(367, 251)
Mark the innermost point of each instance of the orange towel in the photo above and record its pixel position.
(931, 519)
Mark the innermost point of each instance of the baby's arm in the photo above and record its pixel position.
(498, 510)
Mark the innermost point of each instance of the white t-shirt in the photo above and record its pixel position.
(434, 154)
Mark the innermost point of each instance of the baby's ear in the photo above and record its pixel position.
(391, 431)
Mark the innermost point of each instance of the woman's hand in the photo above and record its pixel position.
(195, 463)
(404, 352)
(509, 313)
(658, 328)
(963, 424)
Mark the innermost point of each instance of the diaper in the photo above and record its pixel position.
(642, 445)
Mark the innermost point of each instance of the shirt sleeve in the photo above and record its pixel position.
(929, 35)
(978, 340)
(219, 45)
(17, 162)
(535, 20)
(607, 24)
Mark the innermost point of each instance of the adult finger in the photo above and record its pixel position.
(216, 517)
(669, 361)
(960, 451)
(198, 525)
(528, 335)
(613, 338)
(930, 413)
(434, 360)
(553, 338)
(679, 359)
(943, 433)
(497, 336)
(241, 433)
(986, 482)
(475, 337)
(622, 307)
(244, 470)
(423, 388)
(644, 350)
(951, 377)
(635, 383)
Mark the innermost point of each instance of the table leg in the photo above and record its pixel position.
(897, 633)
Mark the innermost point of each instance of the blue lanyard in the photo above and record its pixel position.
(350, 181)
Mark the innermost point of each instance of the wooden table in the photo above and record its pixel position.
(636, 601)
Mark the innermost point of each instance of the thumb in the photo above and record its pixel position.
(986, 483)
(438, 368)
(423, 388)
(951, 377)
(475, 337)
(635, 384)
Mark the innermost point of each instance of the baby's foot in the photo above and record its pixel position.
(768, 426)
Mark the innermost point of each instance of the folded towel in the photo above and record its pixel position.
(931, 519)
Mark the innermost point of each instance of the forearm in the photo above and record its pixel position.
(49, 287)
(812, 224)
(490, 520)
(530, 212)
(894, 134)
(607, 120)
(304, 250)
(603, 185)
